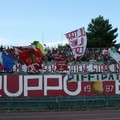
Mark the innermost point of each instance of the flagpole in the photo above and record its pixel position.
(62, 38)
(42, 38)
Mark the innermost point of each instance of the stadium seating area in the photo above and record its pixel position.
(90, 55)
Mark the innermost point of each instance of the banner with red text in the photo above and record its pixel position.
(78, 41)
(74, 68)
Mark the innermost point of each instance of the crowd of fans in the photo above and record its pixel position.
(54, 54)
(90, 55)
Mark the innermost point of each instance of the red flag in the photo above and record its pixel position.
(32, 57)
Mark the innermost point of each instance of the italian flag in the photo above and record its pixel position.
(115, 55)
(105, 51)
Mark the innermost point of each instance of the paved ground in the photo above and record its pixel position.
(72, 115)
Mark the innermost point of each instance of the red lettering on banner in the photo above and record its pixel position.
(116, 67)
(74, 43)
(95, 68)
(84, 68)
(79, 69)
(78, 50)
(101, 68)
(72, 68)
(104, 68)
(107, 69)
(82, 31)
(18, 68)
(72, 35)
(81, 41)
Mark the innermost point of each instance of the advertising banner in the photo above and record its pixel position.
(54, 85)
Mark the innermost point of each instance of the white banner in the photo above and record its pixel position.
(84, 68)
(78, 41)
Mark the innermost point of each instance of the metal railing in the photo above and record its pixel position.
(59, 103)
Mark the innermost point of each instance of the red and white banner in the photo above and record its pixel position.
(74, 68)
(78, 41)
(61, 65)
(54, 85)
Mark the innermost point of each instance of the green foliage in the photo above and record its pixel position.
(95, 43)
(101, 33)
(66, 46)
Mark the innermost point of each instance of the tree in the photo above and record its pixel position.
(66, 46)
(100, 33)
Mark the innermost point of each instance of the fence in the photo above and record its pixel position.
(59, 103)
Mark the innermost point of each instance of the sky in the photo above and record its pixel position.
(47, 21)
